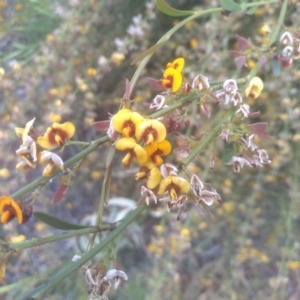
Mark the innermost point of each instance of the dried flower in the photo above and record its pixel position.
(51, 160)
(244, 109)
(200, 82)
(148, 195)
(158, 102)
(238, 163)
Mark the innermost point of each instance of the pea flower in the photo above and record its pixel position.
(229, 93)
(57, 135)
(10, 209)
(156, 150)
(255, 88)
(151, 131)
(200, 82)
(28, 153)
(174, 185)
(172, 79)
(158, 102)
(126, 122)
(238, 163)
(51, 160)
(133, 150)
(150, 172)
(148, 195)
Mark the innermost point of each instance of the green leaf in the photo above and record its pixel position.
(57, 223)
(168, 10)
(230, 5)
(251, 10)
(149, 51)
(228, 152)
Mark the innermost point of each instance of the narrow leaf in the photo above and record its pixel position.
(57, 223)
(228, 152)
(230, 5)
(168, 10)
(149, 51)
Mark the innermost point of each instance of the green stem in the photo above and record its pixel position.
(57, 237)
(80, 143)
(66, 270)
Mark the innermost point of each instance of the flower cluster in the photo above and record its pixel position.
(144, 140)
(251, 155)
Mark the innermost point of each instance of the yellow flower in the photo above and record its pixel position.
(133, 150)
(255, 87)
(177, 64)
(151, 131)
(149, 171)
(10, 209)
(91, 72)
(174, 185)
(56, 135)
(172, 79)
(155, 150)
(126, 122)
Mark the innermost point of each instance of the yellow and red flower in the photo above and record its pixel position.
(177, 64)
(172, 79)
(156, 150)
(57, 135)
(133, 150)
(174, 185)
(149, 171)
(126, 122)
(10, 209)
(151, 131)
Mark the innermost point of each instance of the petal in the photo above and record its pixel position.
(177, 80)
(169, 73)
(68, 129)
(165, 147)
(164, 185)
(140, 154)
(45, 143)
(182, 183)
(153, 178)
(125, 143)
(178, 64)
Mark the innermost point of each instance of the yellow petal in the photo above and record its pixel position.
(153, 178)
(165, 147)
(178, 64)
(183, 184)
(177, 80)
(44, 143)
(140, 154)
(164, 184)
(7, 205)
(125, 144)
